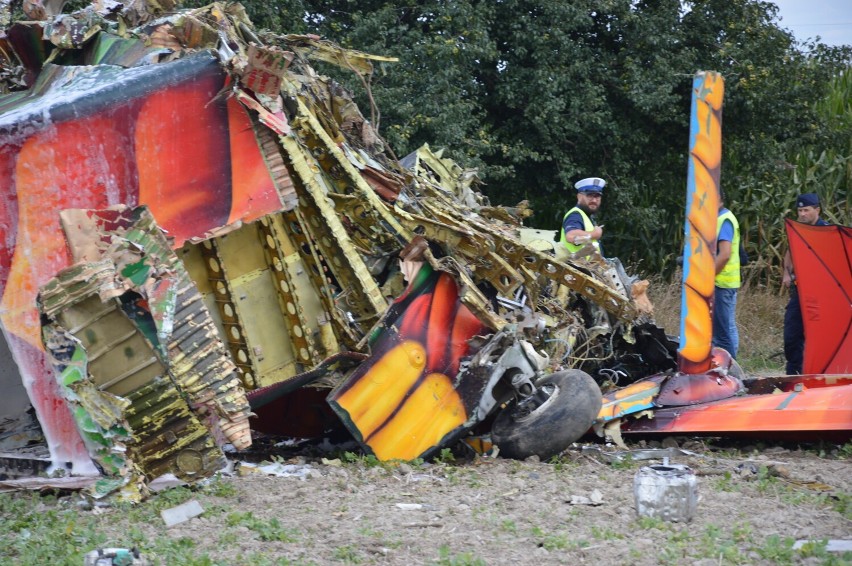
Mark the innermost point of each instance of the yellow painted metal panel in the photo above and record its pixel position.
(120, 359)
(194, 264)
(265, 331)
(241, 251)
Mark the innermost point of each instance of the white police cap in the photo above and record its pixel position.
(590, 185)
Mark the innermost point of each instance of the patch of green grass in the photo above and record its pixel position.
(394, 544)
(366, 460)
(260, 559)
(625, 463)
(347, 554)
(454, 475)
(445, 457)
(555, 542)
(218, 487)
(509, 526)
(678, 544)
(648, 523)
(166, 550)
(215, 509)
(839, 502)
(35, 530)
(467, 476)
(818, 549)
(776, 549)
(137, 536)
(681, 535)
(674, 553)
(726, 482)
(537, 531)
(370, 461)
(136, 514)
(814, 548)
(269, 530)
(447, 558)
(369, 532)
(842, 503)
(765, 481)
(606, 533)
(579, 544)
(550, 541)
(561, 463)
(715, 544)
(742, 532)
(170, 498)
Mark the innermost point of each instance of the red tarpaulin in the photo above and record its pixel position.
(822, 259)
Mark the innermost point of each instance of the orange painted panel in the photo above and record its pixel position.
(253, 193)
(183, 158)
(816, 409)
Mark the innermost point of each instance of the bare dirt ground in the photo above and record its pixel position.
(754, 503)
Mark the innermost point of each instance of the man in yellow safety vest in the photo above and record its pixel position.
(725, 333)
(578, 227)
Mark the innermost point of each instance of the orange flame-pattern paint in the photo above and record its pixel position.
(702, 207)
(406, 399)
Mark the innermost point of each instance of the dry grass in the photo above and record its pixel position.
(760, 319)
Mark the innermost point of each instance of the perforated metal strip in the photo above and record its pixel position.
(271, 231)
(360, 293)
(241, 351)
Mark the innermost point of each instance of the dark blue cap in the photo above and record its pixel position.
(807, 199)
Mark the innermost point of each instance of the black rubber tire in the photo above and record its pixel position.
(566, 416)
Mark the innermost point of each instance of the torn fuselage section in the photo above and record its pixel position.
(137, 356)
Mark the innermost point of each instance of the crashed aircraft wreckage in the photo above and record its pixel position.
(203, 234)
(199, 226)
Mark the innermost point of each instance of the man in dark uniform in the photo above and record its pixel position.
(808, 210)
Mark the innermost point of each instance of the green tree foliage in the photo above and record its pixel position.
(433, 94)
(537, 95)
(825, 165)
(820, 163)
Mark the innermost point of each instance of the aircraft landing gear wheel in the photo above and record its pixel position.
(547, 422)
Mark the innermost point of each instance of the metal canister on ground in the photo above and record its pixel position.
(668, 492)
